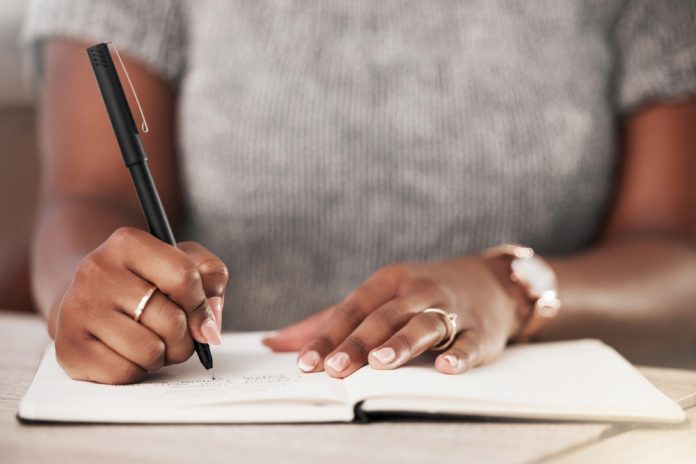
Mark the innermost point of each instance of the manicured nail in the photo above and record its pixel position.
(338, 362)
(216, 305)
(210, 331)
(452, 360)
(384, 355)
(308, 361)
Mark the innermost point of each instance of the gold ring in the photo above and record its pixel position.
(451, 322)
(143, 302)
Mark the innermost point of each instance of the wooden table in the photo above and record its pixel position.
(23, 338)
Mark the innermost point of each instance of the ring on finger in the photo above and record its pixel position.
(143, 303)
(450, 322)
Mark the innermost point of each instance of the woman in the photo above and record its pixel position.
(374, 150)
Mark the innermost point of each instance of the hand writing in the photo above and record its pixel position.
(97, 338)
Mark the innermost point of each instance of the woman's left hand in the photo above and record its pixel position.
(382, 322)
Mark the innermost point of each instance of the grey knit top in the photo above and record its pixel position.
(321, 140)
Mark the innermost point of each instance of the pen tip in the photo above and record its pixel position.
(212, 374)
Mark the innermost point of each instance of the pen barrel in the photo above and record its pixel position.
(116, 104)
(129, 141)
(150, 202)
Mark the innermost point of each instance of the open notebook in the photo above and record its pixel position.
(576, 380)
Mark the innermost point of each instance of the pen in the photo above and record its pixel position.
(135, 158)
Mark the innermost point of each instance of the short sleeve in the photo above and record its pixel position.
(151, 31)
(656, 43)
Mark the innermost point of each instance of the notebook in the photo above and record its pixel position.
(582, 380)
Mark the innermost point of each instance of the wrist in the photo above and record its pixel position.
(531, 282)
(520, 305)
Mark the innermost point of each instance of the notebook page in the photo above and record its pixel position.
(582, 379)
(246, 372)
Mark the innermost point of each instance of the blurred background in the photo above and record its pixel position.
(18, 163)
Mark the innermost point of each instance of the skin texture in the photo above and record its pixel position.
(634, 288)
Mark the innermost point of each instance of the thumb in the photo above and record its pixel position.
(294, 337)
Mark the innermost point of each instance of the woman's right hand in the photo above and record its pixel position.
(97, 338)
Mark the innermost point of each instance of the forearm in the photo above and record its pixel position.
(65, 232)
(637, 294)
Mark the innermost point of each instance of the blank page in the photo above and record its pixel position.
(574, 380)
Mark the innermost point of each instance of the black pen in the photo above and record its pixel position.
(135, 158)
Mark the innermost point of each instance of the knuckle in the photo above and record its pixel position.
(200, 308)
(88, 268)
(350, 312)
(71, 301)
(356, 346)
(79, 306)
(216, 269)
(424, 284)
(459, 350)
(123, 237)
(322, 343)
(187, 276)
(153, 355)
(405, 342)
(175, 324)
(391, 317)
(186, 245)
(468, 347)
(428, 286)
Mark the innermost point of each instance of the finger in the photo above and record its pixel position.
(87, 358)
(214, 275)
(216, 304)
(168, 321)
(173, 272)
(293, 337)
(379, 326)
(129, 339)
(423, 331)
(373, 293)
(161, 315)
(465, 353)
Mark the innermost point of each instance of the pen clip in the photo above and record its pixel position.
(137, 101)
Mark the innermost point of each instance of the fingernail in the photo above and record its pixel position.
(308, 361)
(384, 355)
(452, 360)
(210, 331)
(338, 362)
(216, 305)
